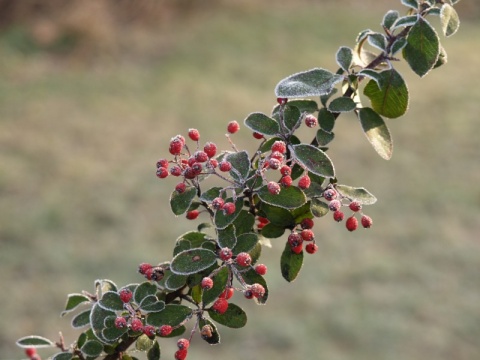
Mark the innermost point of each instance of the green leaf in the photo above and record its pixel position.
(449, 20)
(244, 223)
(405, 21)
(240, 165)
(376, 132)
(387, 92)
(92, 348)
(172, 315)
(326, 119)
(324, 98)
(251, 277)
(97, 320)
(154, 352)
(314, 159)
(192, 261)
(288, 198)
(315, 82)
(344, 57)
(278, 216)
(234, 317)
(319, 208)
(62, 356)
(357, 193)
(175, 281)
(423, 47)
(35, 342)
(398, 45)
(262, 124)
(151, 304)
(410, 3)
(245, 243)
(323, 137)
(389, 19)
(144, 343)
(303, 105)
(272, 231)
(111, 301)
(377, 40)
(73, 301)
(226, 237)
(442, 58)
(143, 290)
(290, 263)
(180, 203)
(81, 320)
(214, 338)
(219, 283)
(104, 285)
(111, 333)
(342, 104)
(195, 238)
(210, 194)
(222, 220)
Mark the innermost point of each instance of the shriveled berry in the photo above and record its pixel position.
(274, 164)
(225, 254)
(338, 215)
(307, 235)
(307, 223)
(257, 290)
(286, 181)
(165, 330)
(279, 146)
(225, 166)
(297, 249)
(366, 221)
(304, 182)
(352, 223)
(181, 354)
(125, 295)
(180, 188)
(192, 214)
(207, 283)
(227, 293)
(273, 188)
(176, 171)
(248, 294)
(200, 156)
(136, 324)
(294, 239)
(220, 306)
(355, 206)
(162, 173)
(286, 170)
(183, 344)
(330, 194)
(311, 121)
(311, 248)
(261, 269)
(244, 259)
(218, 203)
(206, 331)
(334, 205)
(257, 135)
(194, 134)
(143, 267)
(210, 149)
(233, 127)
(162, 163)
(228, 208)
(282, 101)
(149, 330)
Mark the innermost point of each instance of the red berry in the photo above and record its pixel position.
(307, 223)
(149, 330)
(257, 290)
(274, 164)
(282, 101)
(143, 267)
(176, 171)
(220, 306)
(248, 294)
(297, 249)
(311, 121)
(201, 156)
(125, 295)
(162, 163)
(304, 182)
(194, 134)
(233, 127)
(307, 235)
(225, 254)
(165, 330)
(180, 188)
(285, 170)
(257, 135)
(30, 352)
(366, 221)
(330, 194)
(212, 163)
(262, 220)
(273, 188)
(191, 160)
(286, 181)
(218, 203)
(277, 155)
(120, 322)
(352, 223)
(355, 206)
(294, 239)
(192, 214)
(225, 166)
(136, 324)
(228, 208)
(227, 293)
(190, 173)
(207, 283)
(162, 173)
(244, 259)
(197, 168)
(311, 248)
(261, 269)
(181, 354)
(149, 273)
(279, 146)
(183, 344)
(338, 215)
(210, 149)
(176, 145)
(334, 205)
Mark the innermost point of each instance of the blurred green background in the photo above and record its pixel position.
(90, 94)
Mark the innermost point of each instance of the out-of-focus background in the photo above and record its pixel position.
(91, 92)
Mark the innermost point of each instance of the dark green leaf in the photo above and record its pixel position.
(143, 290)
(323, 137)
(319, 208)
(314, 159)
(81, 320)
(376, 132)
(92, 348)
(272, 231)
(245, 243)
(244, 222)
(344, 57)
(154, 352)
(222, 220)
(111, 301)
(151, 304)
(405, 21)
(73, 301)
(302, 212)
(326, 119)
(97, 320)
(262, 124)
(195, 238)
(398, 45)
(342, 104)
(449, 19)
(35, 342)
(423, 47)
(214, 337)
(192, 261)
(288, 198)
(104, 285)
(308, 106)
(387, 92)
(410, 3)
(315, 82)
(240, 165)
(357, 193)
(389, 19)
(112, 334)
(210, 194)
(234, 317)
(172, 315)
(251, 277)
(174, 281)
(62, 356)
(219, 283)
(226, 237)
(277, 215)
(180, 203)
(324, 98)
(362, 35)
(290, 263)
(377, 40)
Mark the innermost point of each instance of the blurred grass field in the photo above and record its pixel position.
(80, 200)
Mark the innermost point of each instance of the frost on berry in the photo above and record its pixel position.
(294, 239)
(311, 121)
(257, 290)
(307, 235)
(244, 259)
(225, 254)
(220, 306)
(207, 283)
(355, 206)
(338, 215)
(351, 223)
(181, 354)
(330, 194)
(176, 145)
(162, 163)
(304, 182)
(165, 330)
(120, 322)
(227, 293)
(149, 330)
(210, 149)
(279, 146)
(136, 325)
(225, 166)
(162, 173)
(143, 267)
(233, 127)
(176, 171)
(183, 343)
(334, 205)
(218, 203)
(277, 155)
(194, 134)
(228, 208)
(274, 164)
(286, 181)
(261, 269)
(180, 188)
(366, 221)
(307, 223)
(286, 170)
(201, 156)
(125, 295)
(273, 188)
(311, 248)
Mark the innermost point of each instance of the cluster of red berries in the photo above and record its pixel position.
(304, 233)
(154, 273)
(335, 204)
(32, 354)
(182, 352)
